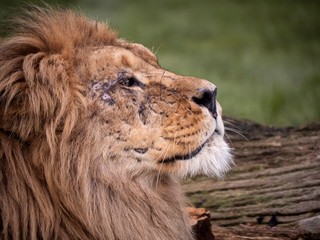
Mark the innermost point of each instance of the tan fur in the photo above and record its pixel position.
(82, 152)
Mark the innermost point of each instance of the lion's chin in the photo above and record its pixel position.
(214, 160)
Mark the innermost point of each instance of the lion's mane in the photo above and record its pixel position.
(52, 182)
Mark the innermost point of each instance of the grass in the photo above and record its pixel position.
(264, 56)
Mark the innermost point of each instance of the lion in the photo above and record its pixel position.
(95, 135)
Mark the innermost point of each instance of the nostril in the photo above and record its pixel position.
(208, 100)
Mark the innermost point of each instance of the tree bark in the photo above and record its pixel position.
(273, 187)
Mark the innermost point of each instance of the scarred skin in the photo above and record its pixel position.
(94, 134)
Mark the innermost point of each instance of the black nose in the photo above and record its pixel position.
(207, 99)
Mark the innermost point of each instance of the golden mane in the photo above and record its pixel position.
(56, 31)
(38, 33)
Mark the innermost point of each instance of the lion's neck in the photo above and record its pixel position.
(131, 209)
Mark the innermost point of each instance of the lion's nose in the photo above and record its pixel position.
(207, 98)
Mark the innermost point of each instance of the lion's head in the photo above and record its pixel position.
(149, 119)
(81, 111)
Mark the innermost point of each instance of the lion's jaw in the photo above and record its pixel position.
(157, 126)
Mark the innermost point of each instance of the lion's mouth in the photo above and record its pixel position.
(189, 155)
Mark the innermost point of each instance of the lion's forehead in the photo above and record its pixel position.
(120, 57)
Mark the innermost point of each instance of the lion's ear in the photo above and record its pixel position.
(34, 93)
(141, 51)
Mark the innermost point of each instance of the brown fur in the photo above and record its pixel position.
(81, 152)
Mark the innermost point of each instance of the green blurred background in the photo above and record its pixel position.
(264, 55)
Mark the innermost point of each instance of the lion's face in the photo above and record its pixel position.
(151, 119)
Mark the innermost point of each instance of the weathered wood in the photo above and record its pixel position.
(200, 222)
(276, 173)
(247, 232)
(311, 225)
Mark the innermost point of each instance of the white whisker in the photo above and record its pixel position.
(237, 132)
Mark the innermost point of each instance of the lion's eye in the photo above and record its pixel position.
(130, 82)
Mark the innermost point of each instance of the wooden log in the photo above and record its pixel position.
(200, 221)
(276, 174)
(311, 225)
(248, 232)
